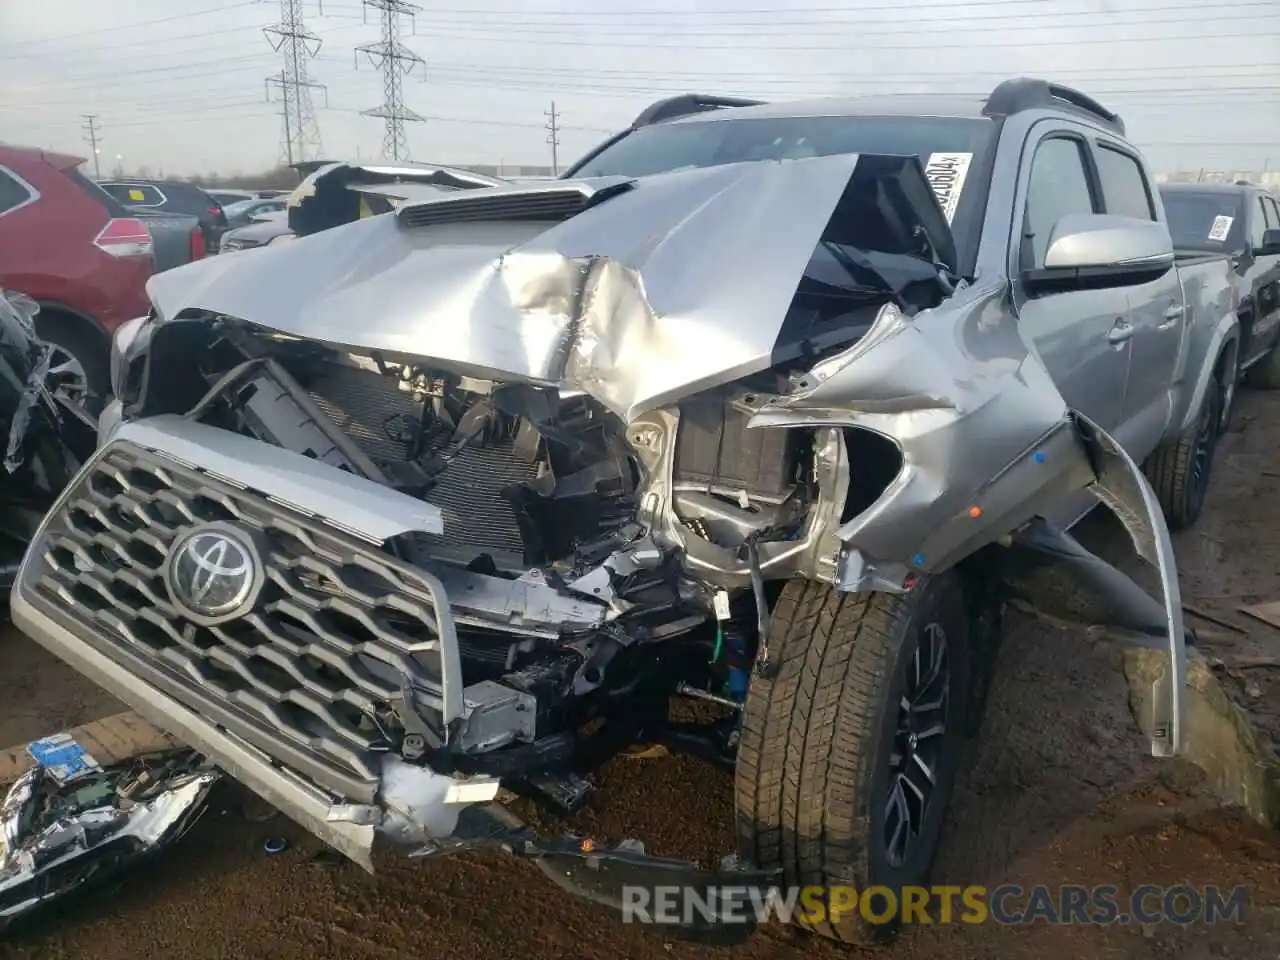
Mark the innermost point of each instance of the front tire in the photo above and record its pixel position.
(837, 782)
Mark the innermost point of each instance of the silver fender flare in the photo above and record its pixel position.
(1123, 489)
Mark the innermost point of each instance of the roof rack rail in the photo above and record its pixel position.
(686, 104)
(1027, 93)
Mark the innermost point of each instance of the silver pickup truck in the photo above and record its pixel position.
(770, 406)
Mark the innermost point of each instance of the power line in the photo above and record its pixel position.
(301, 139)
(91, 136)
(935, 24)
(718, 78)
(666, 15)
(517, 36)
(553, 137)
(394, 60)
(222, 8)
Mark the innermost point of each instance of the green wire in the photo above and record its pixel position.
(715, 654)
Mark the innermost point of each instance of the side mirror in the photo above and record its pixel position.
(1270, 244)
(1090, 251)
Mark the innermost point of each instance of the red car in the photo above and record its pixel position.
(76, 251)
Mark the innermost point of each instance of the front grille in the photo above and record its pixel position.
(337, 630)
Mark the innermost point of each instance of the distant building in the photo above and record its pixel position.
(1267, 178)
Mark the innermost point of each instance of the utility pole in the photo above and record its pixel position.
(297, 44)
(395, 61)
(553, 137)
(91, 132)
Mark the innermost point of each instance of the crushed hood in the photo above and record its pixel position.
(637, 292)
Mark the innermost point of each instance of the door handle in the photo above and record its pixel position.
(1172, 314)
(1120, 332)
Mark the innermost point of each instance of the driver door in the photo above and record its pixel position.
(1081, 336)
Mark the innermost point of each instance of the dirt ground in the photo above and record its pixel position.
(1059, 789)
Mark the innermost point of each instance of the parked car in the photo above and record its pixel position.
(247, 211)
(45, 437)
(461, 497)
(226, 197)
(169, 196)
(265, 229)
(229, 195)
(1243, 221)
(83, 257)
(333, 193)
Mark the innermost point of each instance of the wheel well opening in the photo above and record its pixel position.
(53, 318)
(1226, 360)
(874, 462)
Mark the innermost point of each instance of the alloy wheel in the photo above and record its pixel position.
(918, 742)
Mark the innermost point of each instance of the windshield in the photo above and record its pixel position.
(664, 148)
(1207, 221)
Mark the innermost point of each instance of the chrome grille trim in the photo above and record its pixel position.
(340, 629)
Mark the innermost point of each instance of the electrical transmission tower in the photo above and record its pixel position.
(553, 137)
(394, 60)
(91, 133)
(290, 37)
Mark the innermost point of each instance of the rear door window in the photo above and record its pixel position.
(1273, 213)
(14, 192)
(1259, 225)
(1124, 185)
(136, 194)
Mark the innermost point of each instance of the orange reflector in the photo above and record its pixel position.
(975, 512)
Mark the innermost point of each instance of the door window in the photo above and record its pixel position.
(13, 193)
(1273, 213)
(1124, 185)
(136, 194)
(1259, 225)
(1059, 185)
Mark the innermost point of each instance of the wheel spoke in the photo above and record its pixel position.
(937, 730)
(924, 768)
(897, 819)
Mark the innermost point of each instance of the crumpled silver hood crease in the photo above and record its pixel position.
(678, 284)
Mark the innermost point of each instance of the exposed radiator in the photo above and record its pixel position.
(370, 409)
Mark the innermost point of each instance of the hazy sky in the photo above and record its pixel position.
(179, 85)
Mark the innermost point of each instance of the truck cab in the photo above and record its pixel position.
(1242, 221)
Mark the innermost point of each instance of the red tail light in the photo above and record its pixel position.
(198, 249)
(124, 237)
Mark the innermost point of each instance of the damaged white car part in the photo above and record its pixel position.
(463, 495)
(58, 836)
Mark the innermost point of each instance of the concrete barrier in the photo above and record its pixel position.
(1218, 736)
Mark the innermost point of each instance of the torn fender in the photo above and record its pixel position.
(989, 447)
(987, 441)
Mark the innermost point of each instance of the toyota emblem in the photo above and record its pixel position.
(213, 573)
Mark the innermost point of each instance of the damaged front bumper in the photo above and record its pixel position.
(59, 835)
